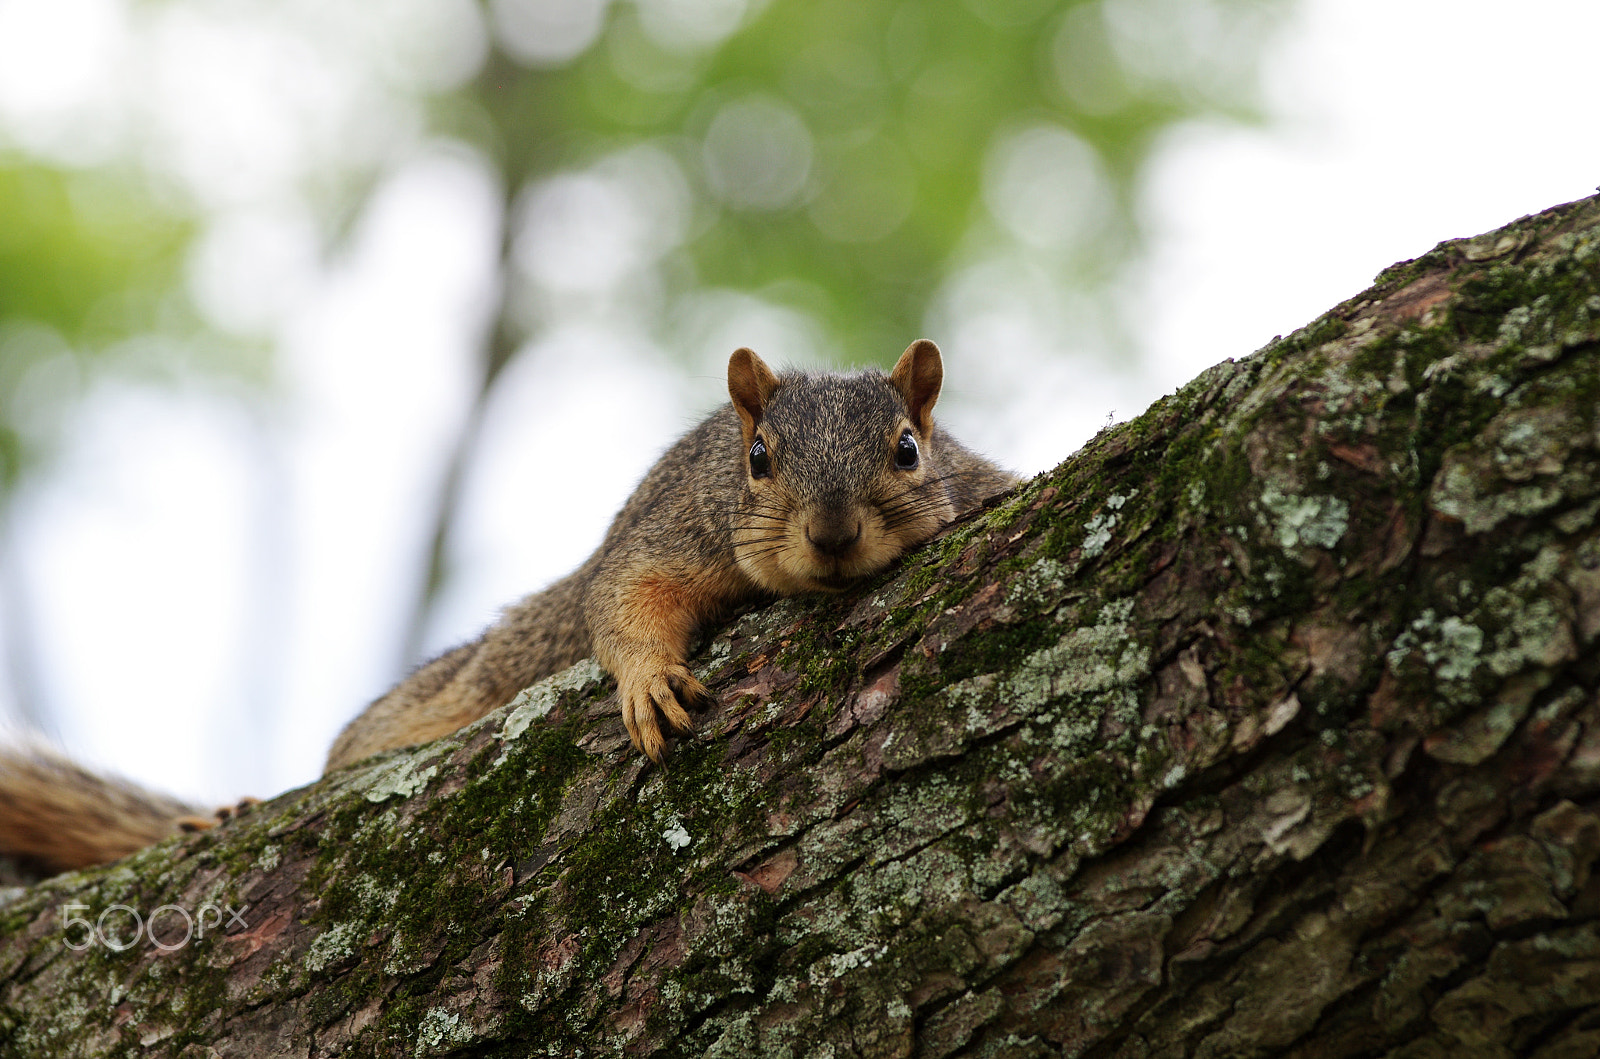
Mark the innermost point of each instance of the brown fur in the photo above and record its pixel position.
(701, 536)
(55, 815)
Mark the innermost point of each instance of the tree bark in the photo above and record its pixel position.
(1265, 725)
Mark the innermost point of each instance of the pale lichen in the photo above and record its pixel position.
(535, 702)
(441, 1031)
(1452, 646)
(397, 779)
(332, 946)
(676, 836)
(1305, 521)
(1097, 534)
(1038, 584)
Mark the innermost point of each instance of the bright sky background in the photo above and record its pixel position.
(1399, 123)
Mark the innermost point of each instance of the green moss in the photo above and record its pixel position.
(1535, 308)
(1084, 803)
(424, 889)
(339, 999)
(1324, 329)
(1402, 273)
(822, 656)
(625, 873)
(1487, 296)
(974, 654)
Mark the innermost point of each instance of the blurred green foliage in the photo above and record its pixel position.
(844, 160)
(839, 158)
(900, 106)
(87, 260)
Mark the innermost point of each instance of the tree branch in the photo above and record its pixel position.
(1266, 724)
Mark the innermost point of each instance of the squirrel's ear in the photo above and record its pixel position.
(750, 384)
(918, 376)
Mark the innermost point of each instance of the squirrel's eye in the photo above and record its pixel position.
(905, 453)
(760, 462)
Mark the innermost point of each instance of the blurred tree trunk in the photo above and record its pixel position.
(1265, 725)
(500, 344)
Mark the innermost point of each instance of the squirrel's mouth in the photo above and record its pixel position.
(834, 582)
(798, 565)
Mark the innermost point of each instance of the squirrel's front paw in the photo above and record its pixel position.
(646, 689)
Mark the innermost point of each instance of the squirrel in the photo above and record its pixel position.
(803, 482)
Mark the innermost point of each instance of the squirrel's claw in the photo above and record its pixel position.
(688, 690)
(223, 813)
(665, 691)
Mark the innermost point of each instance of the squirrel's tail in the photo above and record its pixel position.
(56, 815)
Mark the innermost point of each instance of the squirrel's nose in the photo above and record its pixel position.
(833, 537)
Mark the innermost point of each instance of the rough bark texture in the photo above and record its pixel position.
(1265, 725)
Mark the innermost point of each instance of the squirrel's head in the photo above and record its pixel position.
(841, 475)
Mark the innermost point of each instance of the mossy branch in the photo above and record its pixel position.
(1266, 724)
